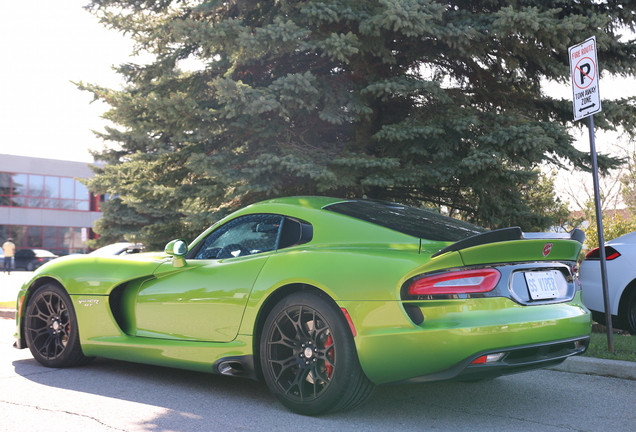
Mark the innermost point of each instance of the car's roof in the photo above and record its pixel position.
(339, 213)
(627, 238)
(43, 252)
(309, 202)
(112, 249)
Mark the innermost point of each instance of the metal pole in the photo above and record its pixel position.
(601, 238)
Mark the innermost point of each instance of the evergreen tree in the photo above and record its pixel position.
(417, 101)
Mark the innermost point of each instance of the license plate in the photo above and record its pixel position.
(542, 285)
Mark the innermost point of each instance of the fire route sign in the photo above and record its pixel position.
(584, 74)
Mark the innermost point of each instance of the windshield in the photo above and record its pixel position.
(421, 223)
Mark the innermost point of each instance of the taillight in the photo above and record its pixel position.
(456, 282)
(610, 254)
(490, 358)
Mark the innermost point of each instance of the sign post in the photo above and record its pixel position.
(586, 101)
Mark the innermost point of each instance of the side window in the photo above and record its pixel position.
(246, 235)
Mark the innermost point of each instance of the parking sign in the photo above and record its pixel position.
(584, 71)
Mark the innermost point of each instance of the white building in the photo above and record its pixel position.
(42, 205)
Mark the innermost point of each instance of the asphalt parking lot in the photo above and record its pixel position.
(110, 395)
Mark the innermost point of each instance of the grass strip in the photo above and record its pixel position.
(624, 347)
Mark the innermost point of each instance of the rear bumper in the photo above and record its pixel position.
(453, 333)
(515, 360)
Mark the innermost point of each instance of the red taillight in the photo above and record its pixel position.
(610, 253)
(489, 358)
(480, 360)
(456, 282)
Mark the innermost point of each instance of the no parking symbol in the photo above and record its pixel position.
(584, 74)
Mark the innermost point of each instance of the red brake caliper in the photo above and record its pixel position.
(330, 355)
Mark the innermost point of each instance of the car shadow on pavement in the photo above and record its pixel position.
(179, 391)
(189, 401)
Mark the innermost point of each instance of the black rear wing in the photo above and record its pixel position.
(509, 234)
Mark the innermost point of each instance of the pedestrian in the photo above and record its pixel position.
(8, 249)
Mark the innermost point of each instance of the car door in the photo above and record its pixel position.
(23, 258)
(205, 299)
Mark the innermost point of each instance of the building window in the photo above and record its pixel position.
(59, 240)
(42, 191)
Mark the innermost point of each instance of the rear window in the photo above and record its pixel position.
(416, 222)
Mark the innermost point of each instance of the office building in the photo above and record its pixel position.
(44, 206)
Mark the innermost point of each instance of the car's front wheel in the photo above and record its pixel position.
(50, 328)
(309, 358)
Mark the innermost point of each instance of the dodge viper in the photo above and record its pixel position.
(321, 298)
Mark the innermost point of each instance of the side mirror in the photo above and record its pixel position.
(177, 249)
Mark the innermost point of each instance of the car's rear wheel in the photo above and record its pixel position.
(630, 312)
(50, 328)
(308, 356)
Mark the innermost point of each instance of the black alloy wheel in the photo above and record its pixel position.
(50, 328)
(308, 356)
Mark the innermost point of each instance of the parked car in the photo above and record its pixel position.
(322, 298)
(621, 280)
(30, 259)
(122, 248)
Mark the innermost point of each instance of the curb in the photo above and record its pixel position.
(595, 366)
(581, 365)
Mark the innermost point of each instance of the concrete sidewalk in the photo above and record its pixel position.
(10, 286)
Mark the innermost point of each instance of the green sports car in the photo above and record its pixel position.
(322, 298)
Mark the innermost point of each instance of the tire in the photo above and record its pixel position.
(308, 356)
(50, 328)
(30, 267)
(630, 312)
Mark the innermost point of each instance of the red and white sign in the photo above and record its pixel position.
(584, 74)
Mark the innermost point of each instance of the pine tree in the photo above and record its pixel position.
(417, 101)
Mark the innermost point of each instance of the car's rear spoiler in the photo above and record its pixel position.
(509, 234)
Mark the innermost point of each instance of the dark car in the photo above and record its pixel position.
(30, 259)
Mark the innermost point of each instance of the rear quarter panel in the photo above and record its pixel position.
(620, 273)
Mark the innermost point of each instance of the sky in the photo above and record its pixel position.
(48, 44)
